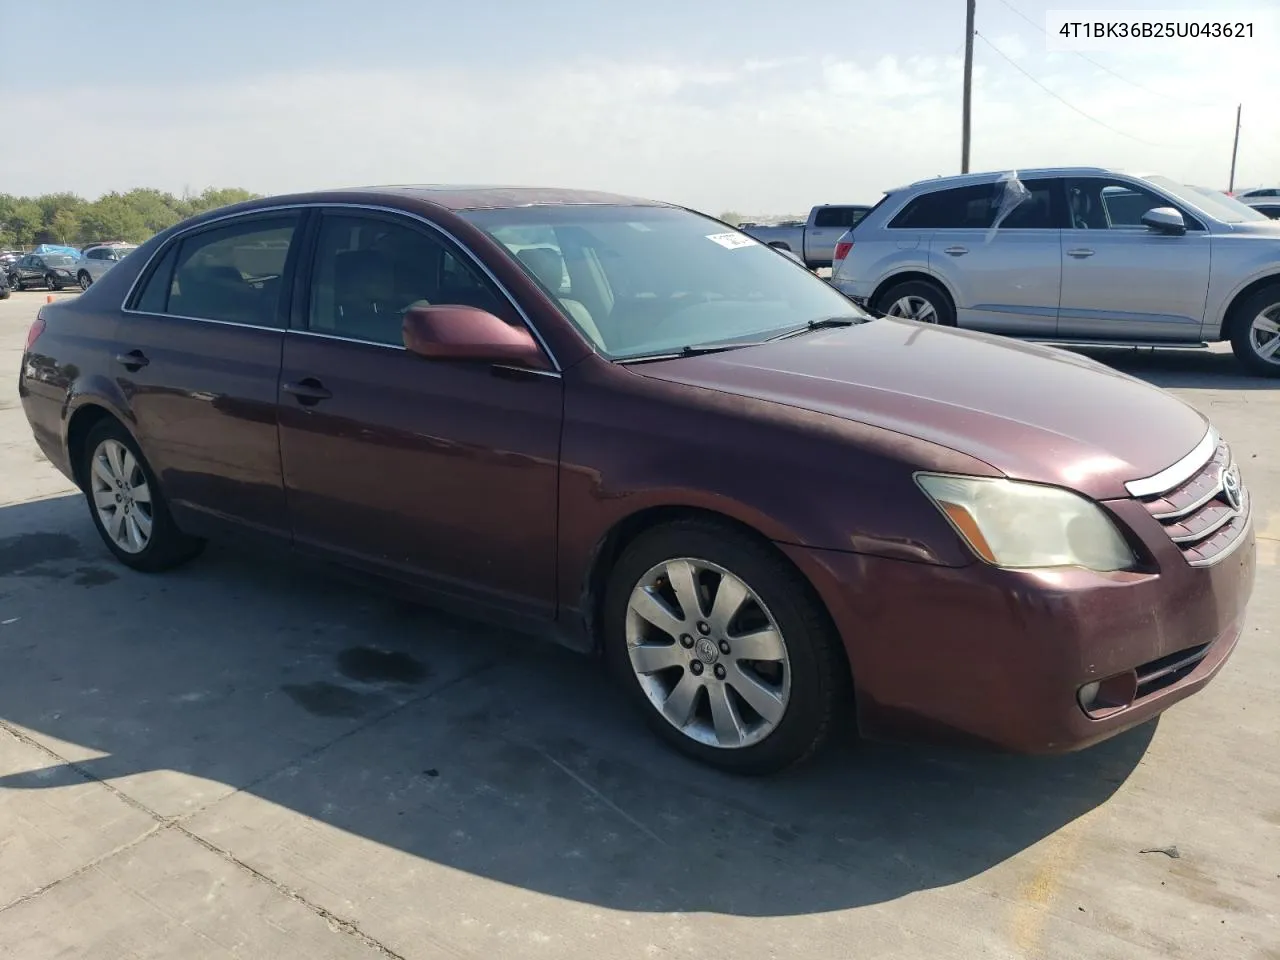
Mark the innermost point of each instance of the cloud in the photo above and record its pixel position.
(751, 135)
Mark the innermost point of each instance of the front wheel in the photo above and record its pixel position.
(52, 283)
(1255, 332)
(127, 505)
(723, 647)
(18, 284)
(916, 300)
(85, 280)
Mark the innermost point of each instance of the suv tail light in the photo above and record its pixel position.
(843, 248)
(37, 328)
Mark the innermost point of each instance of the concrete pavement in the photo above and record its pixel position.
(249, 757)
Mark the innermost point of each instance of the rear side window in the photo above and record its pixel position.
(839, 216)
(963, 208)
(232, 274)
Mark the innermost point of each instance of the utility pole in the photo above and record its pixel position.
(968, 85)
(1231, 184)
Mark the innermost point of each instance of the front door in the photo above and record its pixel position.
(438, 472)
(1122, 280)
(198, 356)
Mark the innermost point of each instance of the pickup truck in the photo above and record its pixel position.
(814, 241)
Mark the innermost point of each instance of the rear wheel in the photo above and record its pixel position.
(1255, 332)
(916, 300)
(723, 648)
(127, 505)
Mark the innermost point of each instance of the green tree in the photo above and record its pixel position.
(112, 217)
(65, 225)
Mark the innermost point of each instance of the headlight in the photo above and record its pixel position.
(1012, 524)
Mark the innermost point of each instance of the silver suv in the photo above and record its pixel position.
(1073, 256)
(97, 259)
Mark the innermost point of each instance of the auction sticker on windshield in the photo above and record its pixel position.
(731, 241)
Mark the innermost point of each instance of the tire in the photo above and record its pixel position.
(4, 293)
(896, 300)
(52, 283)
(165, 545)
(85, 280)
(1255, 326)
(803, 690)
(19, 285)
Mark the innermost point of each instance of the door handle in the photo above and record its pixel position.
(1080, 253)
(133, 360)
(307, 392)
(956, 251)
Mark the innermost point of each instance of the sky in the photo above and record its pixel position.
(754, 106)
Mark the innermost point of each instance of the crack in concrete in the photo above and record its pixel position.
(176, 823)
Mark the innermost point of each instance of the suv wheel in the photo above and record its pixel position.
(85, 279)
(723, 648)
(916, 300)
(1255, 332)
(52, 282)
(18, 284)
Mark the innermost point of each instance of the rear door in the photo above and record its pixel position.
(199, 357)
(1005, 276)
(1123, 281)
(442, 473)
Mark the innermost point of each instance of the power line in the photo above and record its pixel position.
(1064, 101)
(1104, 68)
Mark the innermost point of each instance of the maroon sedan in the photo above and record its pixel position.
(641, 432)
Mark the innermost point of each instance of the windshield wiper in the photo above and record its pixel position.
(822, 323)
(689, 350)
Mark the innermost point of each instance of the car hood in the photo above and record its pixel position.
(1033, 413)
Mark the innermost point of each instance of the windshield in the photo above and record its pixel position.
(1215, 204)
(647, 280)
(58, 260)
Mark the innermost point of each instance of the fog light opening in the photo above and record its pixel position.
(1101, 698)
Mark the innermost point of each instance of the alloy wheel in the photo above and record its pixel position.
(1264, 334)
(913, 308)
(708, 654)
(121, 496)
(85, 280)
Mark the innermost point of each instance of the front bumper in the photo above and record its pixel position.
(979, 654)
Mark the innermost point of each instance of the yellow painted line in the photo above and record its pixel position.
(1031, 911)
(1268, 538)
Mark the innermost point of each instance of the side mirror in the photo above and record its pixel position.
(454, 332)
(1165, 220)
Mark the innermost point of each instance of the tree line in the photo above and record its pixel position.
(65, 218)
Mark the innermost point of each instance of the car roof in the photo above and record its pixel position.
(991, 176)
(499, 197)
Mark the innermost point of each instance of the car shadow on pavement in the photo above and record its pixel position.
(242, 678)
(1195, 369)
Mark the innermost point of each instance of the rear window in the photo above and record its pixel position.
(839, 216)
(958, 208)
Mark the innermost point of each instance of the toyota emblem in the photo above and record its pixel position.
(1231, 490)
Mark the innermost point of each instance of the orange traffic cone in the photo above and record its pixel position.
(49, 298)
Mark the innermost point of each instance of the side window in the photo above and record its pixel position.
(961, 208)
(1036, 212)
(368, 271)
(154, 297)
(1099, 204)
(832, 217)
(233, 273)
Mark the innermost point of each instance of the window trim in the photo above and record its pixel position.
(309, 237)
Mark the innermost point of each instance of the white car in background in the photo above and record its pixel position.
(97, 259)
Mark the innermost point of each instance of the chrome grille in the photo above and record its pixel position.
(1206, 513)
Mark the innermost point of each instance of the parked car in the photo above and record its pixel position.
(1267, 206)
(98, 259)
(52, 270)
(813, 240)
(1086, 256)
(4, 285)
(1258, 193)
(631, 428)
